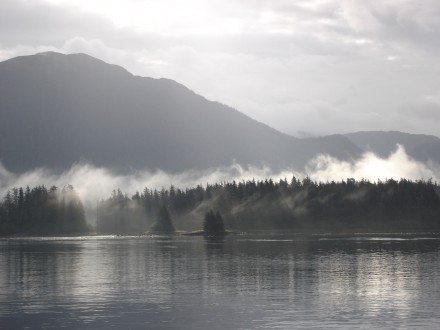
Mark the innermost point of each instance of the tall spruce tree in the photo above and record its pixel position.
(213, 224)
(163, 224)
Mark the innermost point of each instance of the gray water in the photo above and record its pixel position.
(241, 282)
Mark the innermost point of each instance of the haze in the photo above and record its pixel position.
(302, 67)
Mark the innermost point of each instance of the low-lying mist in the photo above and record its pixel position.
(372, 167)
(95, 183)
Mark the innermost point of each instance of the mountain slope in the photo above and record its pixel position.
(58, 109)
(419, 146)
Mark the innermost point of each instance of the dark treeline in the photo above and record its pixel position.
(42, 211)
(301, 205)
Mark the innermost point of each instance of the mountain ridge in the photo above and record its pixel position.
(422, 147)
(57, 109)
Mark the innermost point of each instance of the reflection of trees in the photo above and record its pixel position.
(319, 277)
(214, 244)
(331, 270)
(251, 265)
(40, 270)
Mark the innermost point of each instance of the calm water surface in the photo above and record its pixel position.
(241, 282)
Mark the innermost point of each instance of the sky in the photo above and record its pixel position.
(304, 67)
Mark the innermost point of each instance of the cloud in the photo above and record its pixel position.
(371, 167)
(35, 23)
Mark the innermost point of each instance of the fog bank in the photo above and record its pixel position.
(372, 167)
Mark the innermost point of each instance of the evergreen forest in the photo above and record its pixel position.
(42, 211)
(304, 206)
(297, 205)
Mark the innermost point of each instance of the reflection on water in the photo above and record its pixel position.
(236, 282)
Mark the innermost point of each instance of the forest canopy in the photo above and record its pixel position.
(42, 211)
(297, 205)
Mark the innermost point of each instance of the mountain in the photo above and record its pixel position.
(419, 146)
(58, 109)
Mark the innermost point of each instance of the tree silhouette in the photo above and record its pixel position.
(163, 224)
(42, 211)
(213, 224)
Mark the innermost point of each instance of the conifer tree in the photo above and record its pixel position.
(163, 224)
(213, 224)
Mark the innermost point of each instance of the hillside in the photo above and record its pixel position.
(58, 109)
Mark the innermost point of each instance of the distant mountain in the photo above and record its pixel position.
(58, 109)
(419, 146)
(426, 152)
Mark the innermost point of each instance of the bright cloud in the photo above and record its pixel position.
(371, 167)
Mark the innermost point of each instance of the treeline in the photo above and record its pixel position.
(42, 211)
(301, 205)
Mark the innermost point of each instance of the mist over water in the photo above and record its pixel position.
(95, 183)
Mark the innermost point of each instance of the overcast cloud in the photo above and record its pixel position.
(302, 66)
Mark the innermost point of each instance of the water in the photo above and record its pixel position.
(242, 282)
